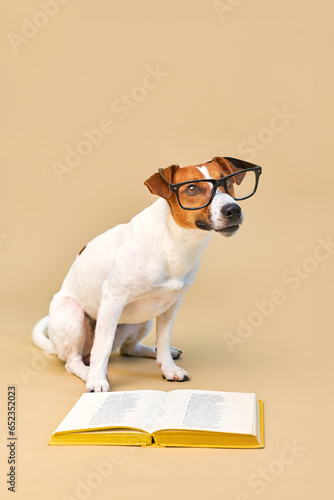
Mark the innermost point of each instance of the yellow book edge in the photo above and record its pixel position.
(165, 438)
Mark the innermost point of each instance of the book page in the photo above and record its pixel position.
(256, 422)
(137, 409)
(208, 411)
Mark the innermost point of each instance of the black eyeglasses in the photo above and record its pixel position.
(199, 193)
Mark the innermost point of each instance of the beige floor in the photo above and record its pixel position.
(231, 71)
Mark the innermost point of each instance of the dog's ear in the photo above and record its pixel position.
(157, 184)
(233, 165)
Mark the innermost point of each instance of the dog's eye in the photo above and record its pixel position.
(229, 184)
(192, 190)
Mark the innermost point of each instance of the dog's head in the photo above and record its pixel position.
(204, 204)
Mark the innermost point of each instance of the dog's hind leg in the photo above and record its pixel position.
(131, 335)
(132, 346)
(70, 331)
(74, 364)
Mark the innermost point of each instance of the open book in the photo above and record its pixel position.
(176, 418)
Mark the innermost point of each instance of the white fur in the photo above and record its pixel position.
(121, 280)
(217, 203)
(205, 172)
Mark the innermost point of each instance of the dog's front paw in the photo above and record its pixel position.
(175, 374)
(176, 353)
(97, 385)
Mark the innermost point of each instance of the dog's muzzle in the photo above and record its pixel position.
(225, 219)
(233, 216)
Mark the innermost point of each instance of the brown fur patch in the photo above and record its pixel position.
(82, 250)
(158, 186)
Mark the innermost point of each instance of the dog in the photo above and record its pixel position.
(135, 272)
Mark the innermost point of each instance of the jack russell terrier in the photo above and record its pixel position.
(138, 271)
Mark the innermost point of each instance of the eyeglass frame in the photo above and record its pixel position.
(216, 183)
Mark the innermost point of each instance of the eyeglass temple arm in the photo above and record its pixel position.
(162, 175)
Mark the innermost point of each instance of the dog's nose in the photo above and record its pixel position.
(232, 212)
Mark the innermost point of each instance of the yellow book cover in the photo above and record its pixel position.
(190, 418)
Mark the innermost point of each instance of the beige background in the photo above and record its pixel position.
(230, 69)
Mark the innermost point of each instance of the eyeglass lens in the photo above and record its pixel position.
(197, 194)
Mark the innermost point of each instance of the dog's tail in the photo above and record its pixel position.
(40, 338)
